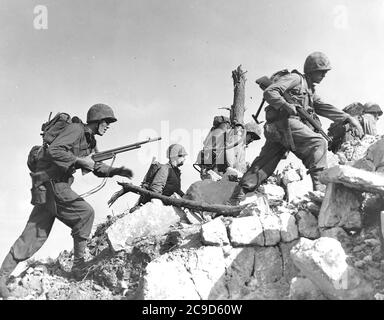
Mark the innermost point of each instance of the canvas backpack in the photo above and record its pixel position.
(49, 132)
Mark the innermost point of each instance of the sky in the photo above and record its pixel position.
(165, 67)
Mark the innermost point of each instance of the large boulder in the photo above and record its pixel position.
(152, 219)
(214, 233)
(323, 261)
(288, 227)
(354, 178)
(307, 224)
(210, 192)
(246, 231)
(186, 274)
(340, 207)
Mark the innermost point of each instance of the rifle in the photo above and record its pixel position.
(307, 117)
(111, 153)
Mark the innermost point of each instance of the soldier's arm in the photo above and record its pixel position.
(328, 111)
(274, 94)
(159, 180)
(60, 150)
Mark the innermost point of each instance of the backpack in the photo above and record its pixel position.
(151, 172)
(49, 132)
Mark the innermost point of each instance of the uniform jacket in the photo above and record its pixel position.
(167, 181)
(58, 160)
(302, 92)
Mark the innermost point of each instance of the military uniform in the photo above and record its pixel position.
(310, 146)
(62, 202)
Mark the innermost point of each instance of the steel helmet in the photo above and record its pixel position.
(100, 112)
(371, 107)
(252, 127)
(316, 61)
(218, 120)
(176, 150)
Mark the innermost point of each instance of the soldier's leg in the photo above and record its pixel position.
(311, 148)
(79, 216)
(34, 235)
(261, 168)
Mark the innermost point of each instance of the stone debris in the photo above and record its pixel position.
(323, 261)
(214, 233)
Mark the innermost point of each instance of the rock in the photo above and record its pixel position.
(272, 191)
(152, 219)
(268, 265)
(240, 265)
(338, 234)
(271, 228)
(313, 208)
(210, 192)
(191, 274)
(214, 233)
(257, 204)
(288, 227)
(357, 179)
(246, 231)
(289, 269)
(316, 196)
(307, 225)
(323, 261)
(341, 207)
(304, 289)
(297, 189)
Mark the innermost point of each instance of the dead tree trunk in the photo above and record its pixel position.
(238, 109)
(194, 205)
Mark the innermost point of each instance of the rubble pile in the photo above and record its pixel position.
(312, 246)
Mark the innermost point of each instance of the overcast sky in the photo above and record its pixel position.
(165, 67)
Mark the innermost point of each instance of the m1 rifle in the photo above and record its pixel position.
(111, 154)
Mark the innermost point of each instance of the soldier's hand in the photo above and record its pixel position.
(291, 109)
(125, 172)
(354, 122)
(86, 163)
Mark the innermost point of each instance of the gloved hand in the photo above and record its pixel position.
(355, 123)
(102, 170)
(125, 172)
(290, 109)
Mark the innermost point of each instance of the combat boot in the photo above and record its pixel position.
(315, 176)
(237, 196)
(79, 270)
(9, 264)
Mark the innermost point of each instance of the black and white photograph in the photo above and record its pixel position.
(213, 151)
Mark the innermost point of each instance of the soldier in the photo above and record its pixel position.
(224, 149)
(371, 114)
(285, 130)
(70, 150)
(165, 179)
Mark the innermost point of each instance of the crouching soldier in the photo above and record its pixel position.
(69, 151)
(164, 178)
(286, 131)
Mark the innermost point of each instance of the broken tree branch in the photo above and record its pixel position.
(195, 205)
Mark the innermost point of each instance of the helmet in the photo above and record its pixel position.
(218, 120)
(354, 109)
(252, 127)
(175, 150)
(100, 112)
(316, 61)
(371, 107)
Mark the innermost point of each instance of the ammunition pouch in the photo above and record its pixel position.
(39, 195)
(39, 190)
